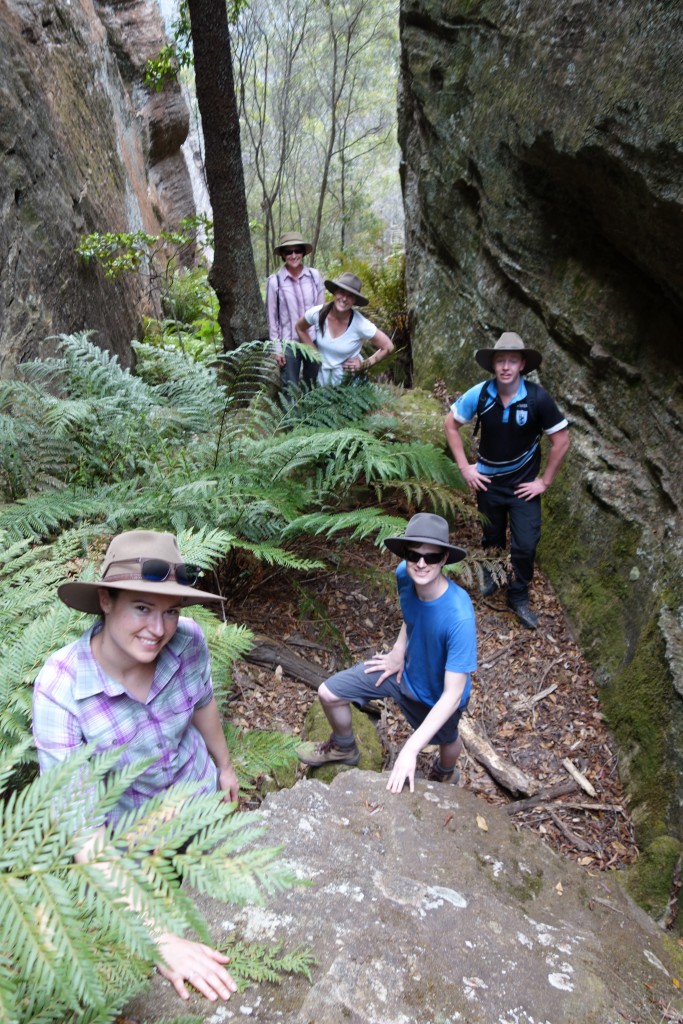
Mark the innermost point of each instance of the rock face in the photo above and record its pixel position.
(83, 147)
(543, 181)
(430, 908)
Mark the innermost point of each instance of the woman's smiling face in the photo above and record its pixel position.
(294, 258)
(137, 626)
(343, 301)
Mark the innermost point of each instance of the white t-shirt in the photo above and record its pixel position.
(335, 351)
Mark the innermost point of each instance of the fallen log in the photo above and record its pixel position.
(270, 653)
(506, 774)
(542, 797)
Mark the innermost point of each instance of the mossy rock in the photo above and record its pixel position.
(649, 880)
(317, 728)
(283, 777)
(420, 417)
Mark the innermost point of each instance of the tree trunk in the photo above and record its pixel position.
(233, 275)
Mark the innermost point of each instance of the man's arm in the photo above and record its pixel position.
(559, 446)
(446, 705)
(208, 722)
(273, 316)
(475, 480)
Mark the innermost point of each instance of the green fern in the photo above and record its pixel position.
(67, 938)
(259, 753)
(255, 962)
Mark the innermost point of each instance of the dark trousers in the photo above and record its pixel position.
(290, 372)
(501, 505)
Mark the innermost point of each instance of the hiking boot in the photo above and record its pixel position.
(437, 773)
(316, 754)
(489, 585)
(524, 614)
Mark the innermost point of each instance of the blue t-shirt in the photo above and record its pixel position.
(442, 637)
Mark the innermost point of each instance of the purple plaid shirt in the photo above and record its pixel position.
(75, 703)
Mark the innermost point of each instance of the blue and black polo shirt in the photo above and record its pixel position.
(510, 446)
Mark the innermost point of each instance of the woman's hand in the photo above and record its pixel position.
(184, 960)
(352, 365)
(227, 782)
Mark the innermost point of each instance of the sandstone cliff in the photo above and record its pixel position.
(544, 194)
(83, 147)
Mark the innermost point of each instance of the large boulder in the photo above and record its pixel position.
(84, 146)
(543, 182)
(431, 907)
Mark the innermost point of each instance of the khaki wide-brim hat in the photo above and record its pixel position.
(426, 528)
(290, 240)
(509, 342)
(122, 570)
(350, 283)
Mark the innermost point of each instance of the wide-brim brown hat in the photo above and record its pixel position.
(349, 283)
(426, 528)
(124, 569)
(289, 240)
(509, 342)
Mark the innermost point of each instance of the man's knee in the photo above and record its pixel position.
(327, 697)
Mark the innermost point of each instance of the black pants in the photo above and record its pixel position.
(290, 372)
(501, 505)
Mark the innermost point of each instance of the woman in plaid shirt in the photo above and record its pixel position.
(140, 677)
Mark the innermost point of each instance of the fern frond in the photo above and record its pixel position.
(255, 962)
(246, 371)
(361, 522)
(67, 934)
(257, 753)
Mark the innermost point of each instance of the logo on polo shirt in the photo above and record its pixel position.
(521, 416)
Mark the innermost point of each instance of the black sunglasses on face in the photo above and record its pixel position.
(290, 252)
(156, 570)
(431, 558)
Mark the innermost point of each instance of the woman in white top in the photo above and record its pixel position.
(341, 330)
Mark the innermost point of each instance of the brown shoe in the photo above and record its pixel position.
(436, 773)
(316, 754)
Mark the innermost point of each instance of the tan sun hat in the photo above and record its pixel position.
(143, 561)
(426, 528)
(509, 342)
(349, 283)
(291, 240)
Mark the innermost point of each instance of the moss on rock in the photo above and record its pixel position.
(420, 417)
(637, 702)
(649, 880)
(317, 728)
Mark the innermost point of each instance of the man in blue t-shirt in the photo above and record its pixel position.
(427, 672)
(507, 479)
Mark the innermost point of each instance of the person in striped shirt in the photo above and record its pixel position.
(514, 414)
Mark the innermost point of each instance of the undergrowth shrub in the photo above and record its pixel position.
(198, 446)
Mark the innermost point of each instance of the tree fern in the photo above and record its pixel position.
(67, 937)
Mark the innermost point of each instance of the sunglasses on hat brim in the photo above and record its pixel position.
(156, 570)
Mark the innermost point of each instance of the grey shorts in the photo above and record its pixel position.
(354, 685)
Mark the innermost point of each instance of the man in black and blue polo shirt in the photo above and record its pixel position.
(507, 479)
